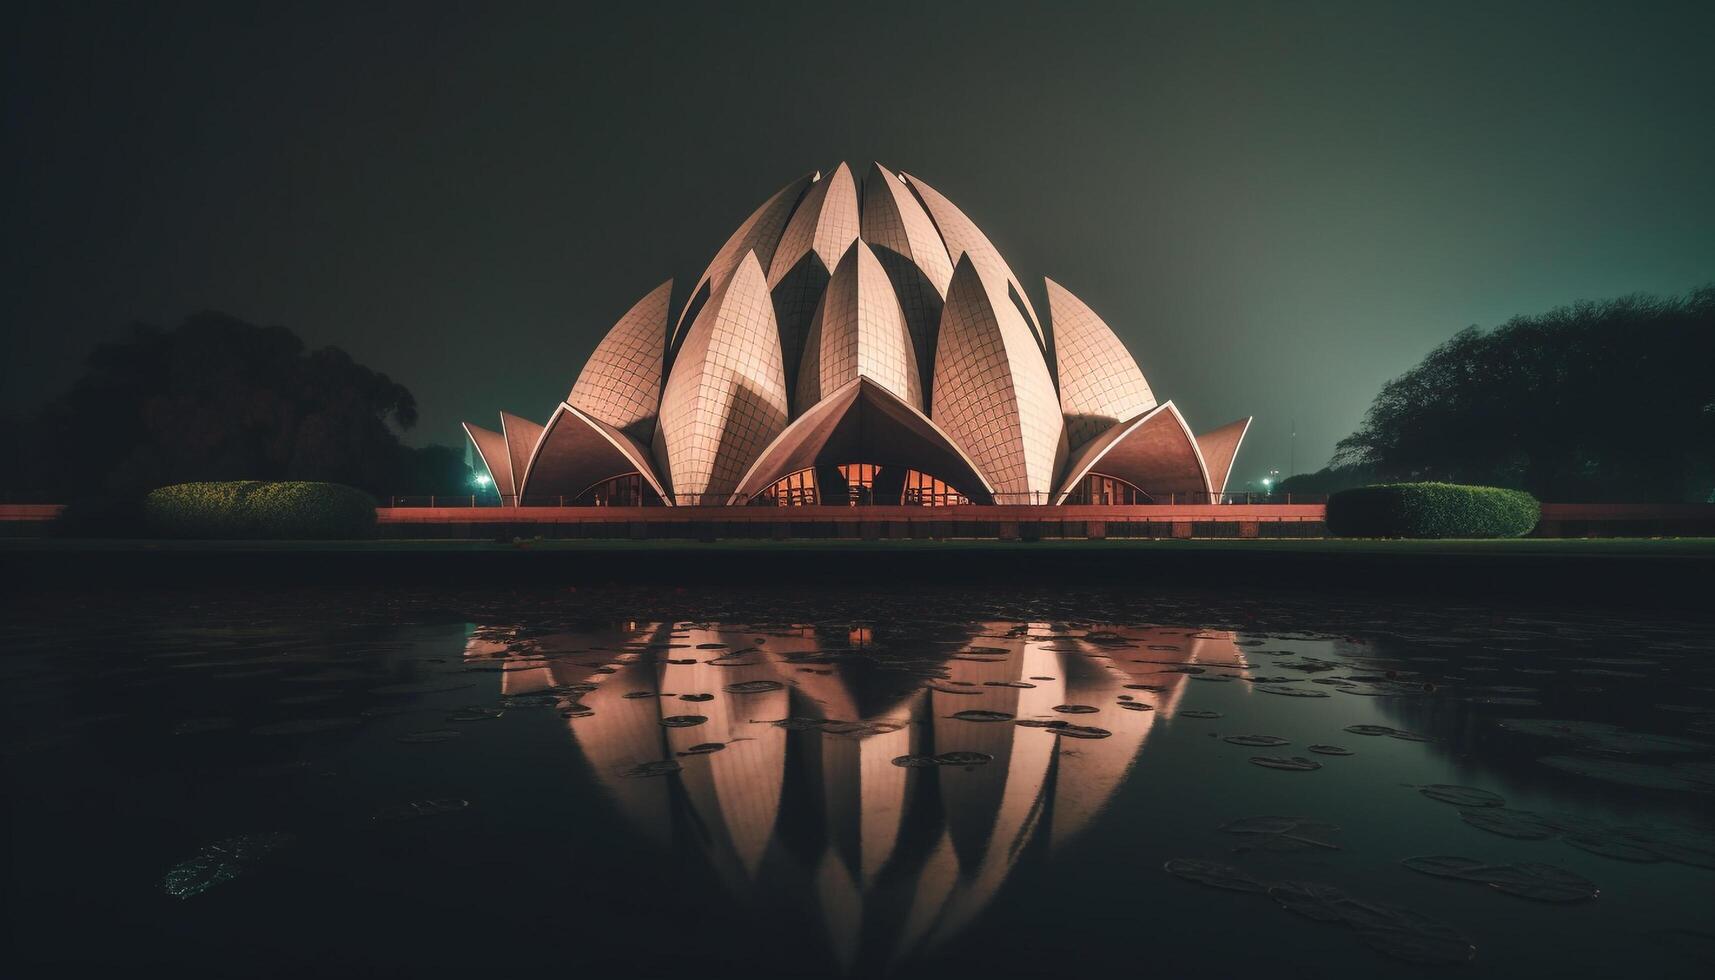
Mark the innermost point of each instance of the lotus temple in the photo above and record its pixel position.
(858, 344)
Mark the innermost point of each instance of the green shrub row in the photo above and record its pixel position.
(259, 509)
(1431, 510)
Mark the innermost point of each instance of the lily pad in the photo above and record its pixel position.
(1295, 763)
(978, 714)
(753, 687)
(1330, 750)
(683, 721)
(1260, 741)
(1517, 824)
(644, 770)
(1461, 795)
(1289, 692)
(1213, 874)
(1076, 709)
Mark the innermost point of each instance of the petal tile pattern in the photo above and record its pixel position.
(859, 329)
(1099, 381)
(621, 382)
(726, 398)
(827, 285)
(992, 391)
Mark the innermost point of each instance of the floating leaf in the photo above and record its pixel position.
(1517, 824)
(1136, 706)
(646, 769)
(963, 758)
(1610, 847)
(1640, 774)
(978, 714)
(1461, 795)
(1200, 714)
(753, 687)
(682, 721)
(1293, 764)
(1082, 731)
(1261, 741)
(1331, 750)
(704, 748)
(1076, 709)
(1284, 833)
(1214, 875)
(1289, 692)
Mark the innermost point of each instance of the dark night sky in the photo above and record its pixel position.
(1278, 206)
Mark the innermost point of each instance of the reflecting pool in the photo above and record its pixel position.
(655, 783)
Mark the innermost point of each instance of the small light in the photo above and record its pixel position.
(1266, 483)
(482, 480)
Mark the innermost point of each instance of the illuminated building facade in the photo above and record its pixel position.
(858, 343)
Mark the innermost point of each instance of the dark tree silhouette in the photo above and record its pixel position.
(1597, 401)
(220, 399)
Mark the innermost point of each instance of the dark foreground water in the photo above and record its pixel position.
(636, 783)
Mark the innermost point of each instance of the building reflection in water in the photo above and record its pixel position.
(788, 785)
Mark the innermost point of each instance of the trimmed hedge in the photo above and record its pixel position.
(1431, 510)
(259, 509)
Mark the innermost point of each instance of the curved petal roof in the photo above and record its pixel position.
(760, 233)
(892, 219)
(992, 392)
(1154, 452)
(826, 223)
(491, 449)
(578, 451)
(963, 237)
(1220, 448)
(726, 396)
(1100, 383)
(859, 330)
(621, 382)
(521, 436)
(863, 422)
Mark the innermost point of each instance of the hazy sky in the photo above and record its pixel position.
(1278, 206)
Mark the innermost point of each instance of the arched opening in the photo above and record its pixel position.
(859, 485)
(1099, 488)
(625, 490)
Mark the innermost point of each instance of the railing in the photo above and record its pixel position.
(803, 499)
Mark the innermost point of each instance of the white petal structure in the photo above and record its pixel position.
(621, 382)
(992, 391)
(820, 232)
(862, 420)
(726, 398)
(491, 449)
(578, 451)
(760, 233)
(963, 237)
(859, 330)
(1154, 452)
(1219, 449)
(1100, 383)
(876, 342)
(910, 249)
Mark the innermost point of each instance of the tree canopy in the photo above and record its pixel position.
(1598, 401)
(216, 398)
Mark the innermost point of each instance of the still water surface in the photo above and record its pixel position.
(934, 784)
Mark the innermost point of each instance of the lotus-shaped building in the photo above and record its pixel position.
(858, 344)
